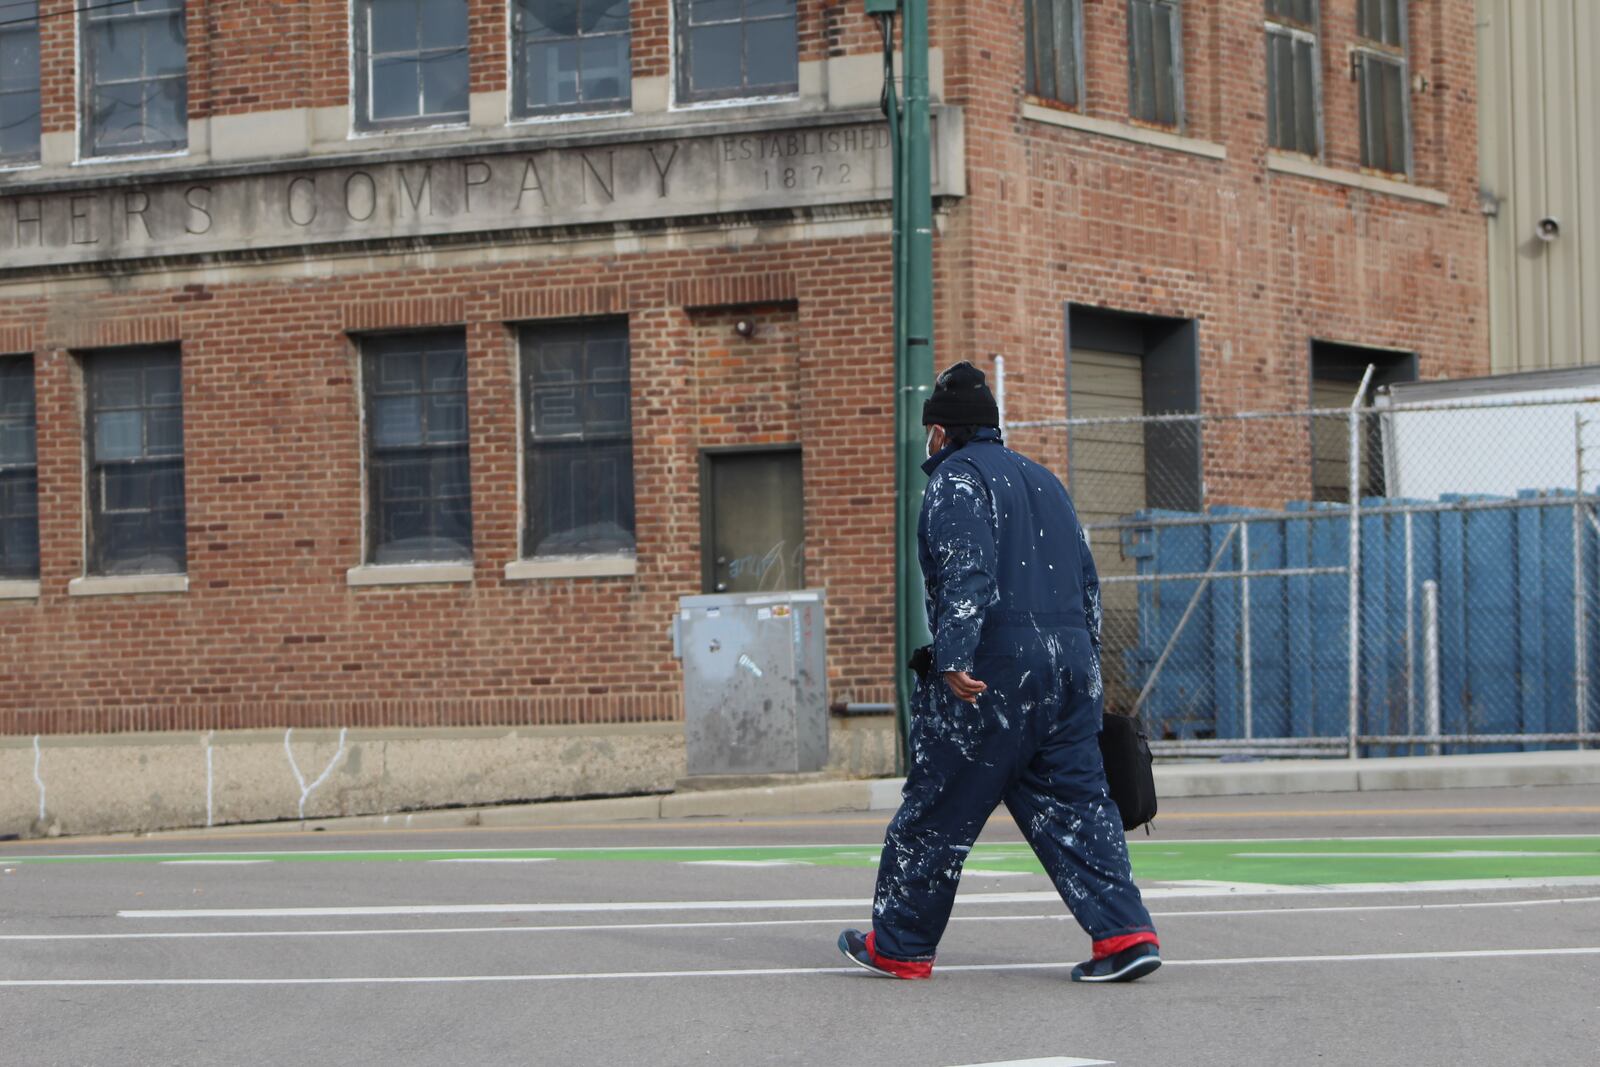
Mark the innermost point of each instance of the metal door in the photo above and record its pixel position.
(753, 508)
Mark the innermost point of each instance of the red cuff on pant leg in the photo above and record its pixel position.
(1110, 946)
(898, 968)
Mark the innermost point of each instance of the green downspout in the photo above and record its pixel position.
(912, 251)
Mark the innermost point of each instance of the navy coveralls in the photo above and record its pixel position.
(1013, 599)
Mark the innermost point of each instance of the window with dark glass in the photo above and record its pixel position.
(733, 48)
(571, 55)
(19, 82)
(411, 62)
(135, 451)
(1053, 32)
(579, 444)
(1381, 73)
(1294, 80)
(1155, 61)
(419, 506)
(136, 77)
(19, 472)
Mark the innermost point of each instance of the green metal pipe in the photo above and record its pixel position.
(913, 342)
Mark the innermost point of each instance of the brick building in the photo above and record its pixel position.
(379, 363)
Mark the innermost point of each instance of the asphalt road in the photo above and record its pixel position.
(1307, 940)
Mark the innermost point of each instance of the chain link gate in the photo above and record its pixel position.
(1382, 579)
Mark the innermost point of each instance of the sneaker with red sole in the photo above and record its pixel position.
(1129, 965)
(858, 949)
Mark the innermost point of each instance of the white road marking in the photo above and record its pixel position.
(579, 928)
(1203, 888)
(980, 872)
(1455, 854)
(211, 863)
(772, 972)
(494, 859)
(872, 850)
(744, 863)
(1049, 1061)
(570, 907)
(1184, 891)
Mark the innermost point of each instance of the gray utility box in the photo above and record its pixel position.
(755, 682)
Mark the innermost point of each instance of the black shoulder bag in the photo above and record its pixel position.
(1129, 773)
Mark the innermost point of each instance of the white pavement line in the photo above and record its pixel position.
(1454, 854)
(1205, 888)
(980, 872)
(770, 972)
(744, 863)
(494, 859)
(1187, 891)
(580, 928)
(579, 907)
(1049, 1061)
(211, 863)
(866, 848)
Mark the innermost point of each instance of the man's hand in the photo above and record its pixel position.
(964, 686)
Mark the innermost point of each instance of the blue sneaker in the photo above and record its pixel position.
(858, 949)
(1128, 965)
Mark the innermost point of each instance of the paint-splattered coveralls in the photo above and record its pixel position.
(1013, 599)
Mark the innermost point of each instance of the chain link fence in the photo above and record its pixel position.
(1383, 579)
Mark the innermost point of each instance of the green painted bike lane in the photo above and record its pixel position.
(1298, 861)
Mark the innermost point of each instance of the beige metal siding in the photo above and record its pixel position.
(1107, 461)
(1108, 483)
(1330, 440)
(1539, 138)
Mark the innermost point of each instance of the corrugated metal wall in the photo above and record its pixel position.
(1539, 144)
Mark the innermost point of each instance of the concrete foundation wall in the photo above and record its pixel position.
(84, 784)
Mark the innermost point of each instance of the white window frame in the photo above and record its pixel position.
(1401, 54)
(513, 59)
(361, 122)
(1178, 102)
(1298, 33)
(87, 150)
(675, 73)
(1077, 57)
(20, 161)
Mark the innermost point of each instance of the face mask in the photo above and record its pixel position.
(929, 447)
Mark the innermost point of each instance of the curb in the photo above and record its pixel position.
(1173, 781)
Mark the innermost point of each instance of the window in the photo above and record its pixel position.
(1155, 64)
(753, 516)
(419, 490)
(411, 63)
(1381, 71)
(1054, 35)
(1294, 80)
(19, 472)
(733, 48)
(571, 55)
(136, 79)
(579, 445)
(19, 82)
(135, 428)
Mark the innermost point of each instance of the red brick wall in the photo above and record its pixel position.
(272, 55)
(1265, 261)
(270, 634)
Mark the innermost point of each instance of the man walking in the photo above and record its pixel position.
(1008, 708)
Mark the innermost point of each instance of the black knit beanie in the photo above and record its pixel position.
(961, 397)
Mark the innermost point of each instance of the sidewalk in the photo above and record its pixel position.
(1173, 780)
